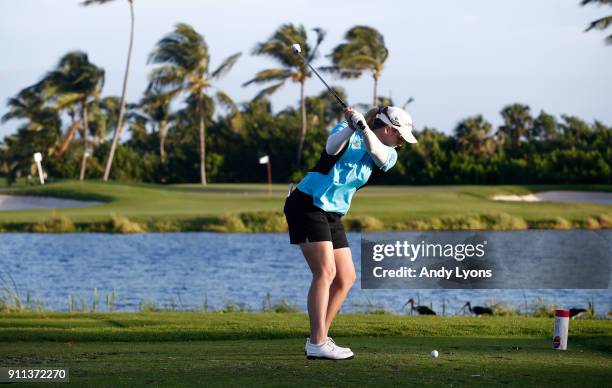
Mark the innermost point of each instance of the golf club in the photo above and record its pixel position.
(298, 50)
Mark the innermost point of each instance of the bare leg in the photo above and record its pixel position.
(320, 258)
(340, 287)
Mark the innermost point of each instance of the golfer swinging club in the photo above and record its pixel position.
(355, 148)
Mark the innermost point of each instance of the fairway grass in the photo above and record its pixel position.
(249, 208)
(266, 349)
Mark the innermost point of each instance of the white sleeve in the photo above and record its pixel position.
(376, 148)
(338, 139)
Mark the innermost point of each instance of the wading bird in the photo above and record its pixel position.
(576, 312)
(478, 310)
(422, 310)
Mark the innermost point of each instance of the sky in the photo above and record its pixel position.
(455, 58)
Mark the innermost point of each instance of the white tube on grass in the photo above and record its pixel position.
(38, 160)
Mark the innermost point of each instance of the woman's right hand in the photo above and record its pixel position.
(355, 119)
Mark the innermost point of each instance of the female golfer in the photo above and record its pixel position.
(355, 147)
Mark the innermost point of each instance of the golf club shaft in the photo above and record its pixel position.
(344, 105)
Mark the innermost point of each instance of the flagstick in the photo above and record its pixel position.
(269, 177)
(266, 160)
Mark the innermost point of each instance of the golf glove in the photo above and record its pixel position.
(358, 121)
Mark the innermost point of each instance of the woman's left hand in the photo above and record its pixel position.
(348, 114)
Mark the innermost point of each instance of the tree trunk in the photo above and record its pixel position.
(162, 141)
(303, 133)
(202, 140)
(111, 154)
(375, 103)
(85, 129)
(71, 131)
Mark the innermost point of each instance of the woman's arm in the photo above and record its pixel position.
(377, 150)
(336, 141)
(375, 147)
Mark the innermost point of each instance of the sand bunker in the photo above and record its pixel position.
(24, 202)
(561, 196)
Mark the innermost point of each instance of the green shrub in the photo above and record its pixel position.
(165, 226)
(120, 224)
(542, 309)
(470, 222)
(363, 222)
(228, 223)
(503, 309)
(264, 221)
(504, 221)
(59, 224)
(148, 306)
(556, 223)
(282, 306)
(605, 221)
(250, 222)
(591, 223)
(235, 307)
(561, 223)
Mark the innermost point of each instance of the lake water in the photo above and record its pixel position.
(191, 268)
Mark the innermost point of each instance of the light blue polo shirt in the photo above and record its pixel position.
(333, 192)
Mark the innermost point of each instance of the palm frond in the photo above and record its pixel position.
(600, 24)
(364, 49)
(167, 76)
(229, 104)
(279, 48)
(226, 101)
(65, 100)
(269, 90)
(339, 72)
(226, 66)
(359, 62)
(320, 37)
(269, 75)
(184, 47)
(598, 2)
(86, 3)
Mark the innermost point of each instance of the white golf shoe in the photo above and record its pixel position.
(330, 339)
(327, 350)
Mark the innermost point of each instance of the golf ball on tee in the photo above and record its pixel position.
(434, 354)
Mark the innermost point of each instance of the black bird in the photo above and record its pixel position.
(422, 310)
(576, 312)
(478, 310)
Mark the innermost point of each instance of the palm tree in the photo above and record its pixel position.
(107, 111)
(75, 82)
(292, 66)
(156, 105)
(544, 127)
(184, 67)
(40, 133)
(109, 161)
(473, 136)
(517, 123)
(74, 127)
(602, 23)
(363, 50)
(102, 117)
(29, 104)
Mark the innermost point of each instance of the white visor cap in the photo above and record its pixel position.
(400, 120)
